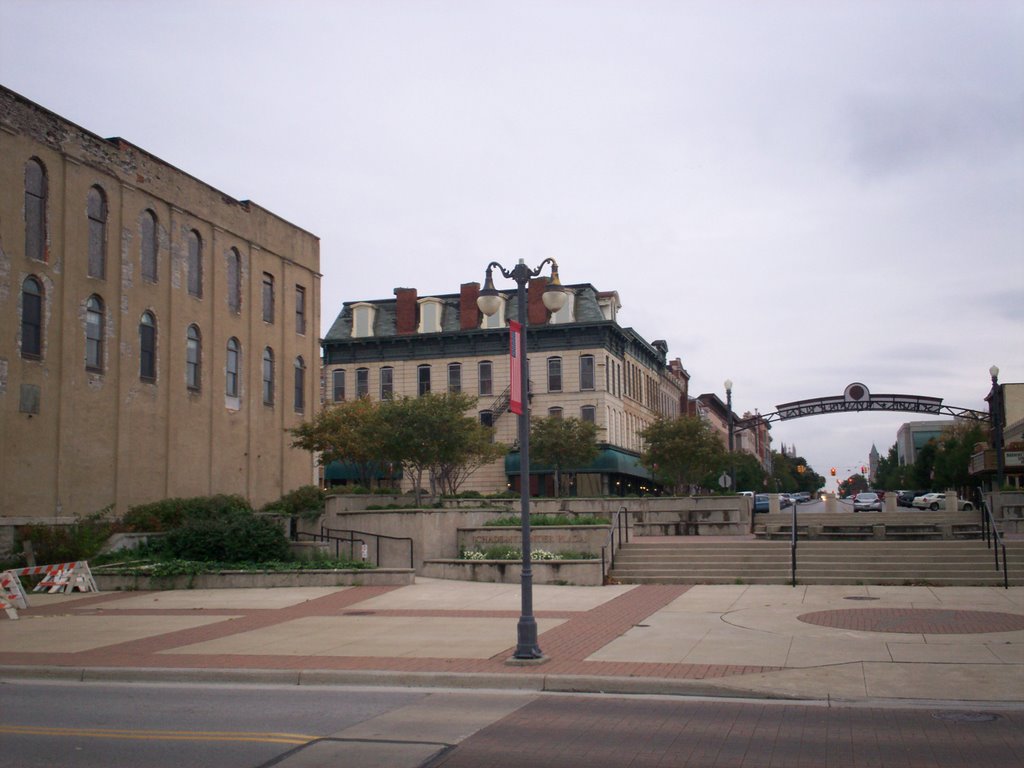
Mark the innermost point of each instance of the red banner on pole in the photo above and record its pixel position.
(515, 346)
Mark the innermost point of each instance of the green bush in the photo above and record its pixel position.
(307, 502)
(235, 537)
(66, 543)
(169, 514)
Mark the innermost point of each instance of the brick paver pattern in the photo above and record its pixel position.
(918, 621)
(567, 646)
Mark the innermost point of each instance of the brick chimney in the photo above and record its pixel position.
(535, 308)
(405, 311)
(469, 312)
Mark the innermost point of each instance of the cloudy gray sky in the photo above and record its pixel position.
(795, 195)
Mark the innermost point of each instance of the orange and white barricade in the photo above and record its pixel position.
(62, 577)
(12, 596)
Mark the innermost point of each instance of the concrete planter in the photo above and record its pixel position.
(580, 573)
(112, 582)
(553, 538)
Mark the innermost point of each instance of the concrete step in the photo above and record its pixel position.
(818, 562)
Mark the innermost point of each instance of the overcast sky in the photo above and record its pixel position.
(795, 195)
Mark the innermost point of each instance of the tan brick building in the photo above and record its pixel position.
(157, 337)
(583, 364)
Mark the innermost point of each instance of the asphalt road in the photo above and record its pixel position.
(86, 725)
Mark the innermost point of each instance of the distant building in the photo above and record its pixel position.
(583, 364)
(157, 338)
(750, 432)
(873, 459)
(914, 435)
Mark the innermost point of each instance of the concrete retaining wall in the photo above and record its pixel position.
(111, 582)
(553, 538)
(581, 573)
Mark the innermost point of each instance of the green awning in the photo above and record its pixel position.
(346, 470)
(611, 461)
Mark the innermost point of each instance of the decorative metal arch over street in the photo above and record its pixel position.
(856, 397)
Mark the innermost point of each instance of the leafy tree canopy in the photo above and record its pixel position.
(562, 444)
(682, 452)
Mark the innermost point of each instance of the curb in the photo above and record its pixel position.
(385, 679)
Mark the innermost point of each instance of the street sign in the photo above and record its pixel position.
(724, 481)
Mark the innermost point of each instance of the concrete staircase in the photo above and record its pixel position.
(688, 560)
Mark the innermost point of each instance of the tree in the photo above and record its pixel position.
(476, 448)
(562, 444)
(427, 433)
(350, 431)
(891, 475)
(953, 456)
(682, 452)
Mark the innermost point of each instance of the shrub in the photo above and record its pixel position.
(66, 543)
(306, 502)
(236, 537)
(173, 513)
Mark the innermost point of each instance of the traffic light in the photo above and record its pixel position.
(833, 471)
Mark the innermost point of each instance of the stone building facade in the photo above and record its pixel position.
(582, 364)
(157, 337)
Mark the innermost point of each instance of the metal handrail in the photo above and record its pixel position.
(993, 538)
(622, 529)
(352, 537)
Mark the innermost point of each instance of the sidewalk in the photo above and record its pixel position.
(857, 643)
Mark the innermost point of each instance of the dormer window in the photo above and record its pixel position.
(609, 304)
(430, 316)
(362, 320)
(566, 313)
(497, 320)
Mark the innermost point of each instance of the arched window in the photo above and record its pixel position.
(588, 413)
(193, 358)
(32, 318)
(555, 412)
(455, 377)
(268, 297)
(554, 374)
(268, 376)
(35, 210)
(387, 382)
(338, 384)
(362, 382)
(147, 245)
(423, 380)
(586, 372)
(94, 334)
(234, 259)
(147, 347)
(232, 367)
(195, 264)
(300, 385)
(96, 206)
(485, 372)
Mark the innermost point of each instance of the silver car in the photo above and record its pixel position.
(867, 502)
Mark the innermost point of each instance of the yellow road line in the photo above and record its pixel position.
(153, 735)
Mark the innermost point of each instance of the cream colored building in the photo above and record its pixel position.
(583, 364)
(157, 337)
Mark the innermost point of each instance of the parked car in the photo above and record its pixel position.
(801, 497)
(936, 501)
(867, 502)
(906, 498)
(785, 500)
(761, 502)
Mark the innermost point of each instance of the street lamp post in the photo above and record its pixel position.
(732, 432)
(489, 302)
(995, 410)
